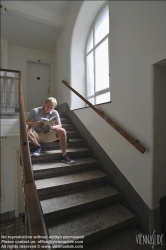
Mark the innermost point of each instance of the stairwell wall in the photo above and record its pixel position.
(17, 60)
(135, 30)
(12, 203)
(4, 54)
(137, 41)
(14, 57)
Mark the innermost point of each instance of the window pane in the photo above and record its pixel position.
(101, 67)
(90, 74)
(102, 25)
(91, 100)
(103, 98)
(90, 43)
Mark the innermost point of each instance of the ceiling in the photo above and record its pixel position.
(34, 24)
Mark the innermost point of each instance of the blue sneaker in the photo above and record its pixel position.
(67, 159)
(38, 151)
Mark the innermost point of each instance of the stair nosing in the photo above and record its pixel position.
(100, 227)
(70, 183)
(63, 164)
(111, 193)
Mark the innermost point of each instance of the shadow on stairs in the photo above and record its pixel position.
(77, 202)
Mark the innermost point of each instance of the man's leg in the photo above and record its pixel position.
(61, 134)
(32, 137)
(58, 134)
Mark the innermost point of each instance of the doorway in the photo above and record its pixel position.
(38, 84)
(159, 123)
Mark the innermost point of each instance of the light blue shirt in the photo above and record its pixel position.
(37, 113)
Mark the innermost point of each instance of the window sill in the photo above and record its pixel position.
(89, 106)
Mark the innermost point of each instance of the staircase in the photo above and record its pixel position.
(76, 199)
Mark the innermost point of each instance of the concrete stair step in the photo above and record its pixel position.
(55, 155)
(66, 205)
(72, 134)
(72, 143)
(65, 120)
(94, 224)
(124, 240)
(54, 186)
(62, 115)
(68, 127)
(43, 170)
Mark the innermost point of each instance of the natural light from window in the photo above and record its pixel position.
(97, 60)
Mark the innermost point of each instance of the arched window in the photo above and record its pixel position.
(97, 59)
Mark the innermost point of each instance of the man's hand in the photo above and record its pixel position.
(34, 124)
(39, 124)
(49, 126)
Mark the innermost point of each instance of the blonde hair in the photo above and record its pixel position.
(52, 100)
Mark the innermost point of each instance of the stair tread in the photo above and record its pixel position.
(92, 222)
(52, 143)
(67, 179)
(72, 132)
(51, 165)
(65, 120)
(62, 114)
(74, 142)
(78, 198)
(68, 150)
(68, 125)
(123, 240)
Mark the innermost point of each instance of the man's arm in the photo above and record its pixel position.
(56, 126)
(33, 124)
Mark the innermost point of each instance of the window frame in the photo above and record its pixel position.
(92, 30)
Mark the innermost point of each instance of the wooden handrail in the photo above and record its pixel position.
(28, 174)
(134, 142)
(35, 220)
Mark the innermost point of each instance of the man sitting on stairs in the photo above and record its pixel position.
(38, 132)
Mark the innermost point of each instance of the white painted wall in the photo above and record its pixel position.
(10, 127)
(137, 41)
(70, 64)
(10, 165)
(63, 58)
(17, 60)
(12, 190)
(4, 54)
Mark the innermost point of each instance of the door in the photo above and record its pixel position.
(38, 84)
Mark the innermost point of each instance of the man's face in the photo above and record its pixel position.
(48, 107)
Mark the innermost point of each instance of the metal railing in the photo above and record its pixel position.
(134, 142)
(35, 224)
(9, 91)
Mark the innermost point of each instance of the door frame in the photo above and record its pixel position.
(49, 63)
